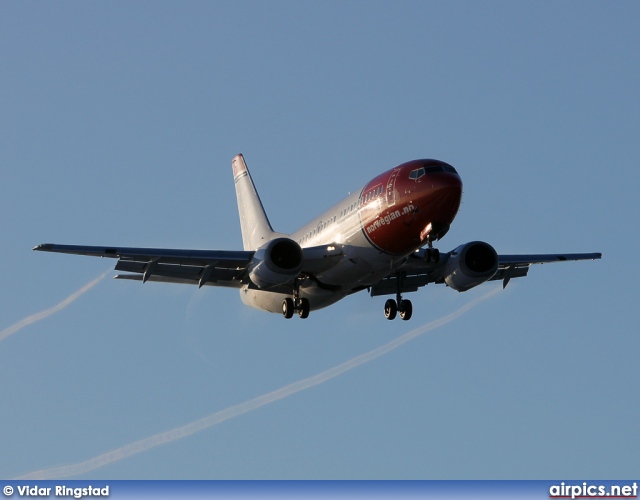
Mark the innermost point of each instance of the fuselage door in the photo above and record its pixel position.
(391, 187)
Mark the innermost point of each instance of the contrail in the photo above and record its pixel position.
(48, 312)
(234, 411)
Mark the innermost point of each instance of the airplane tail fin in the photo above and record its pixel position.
(255, 226)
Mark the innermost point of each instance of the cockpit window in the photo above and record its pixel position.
(440, 167)
(417, 173)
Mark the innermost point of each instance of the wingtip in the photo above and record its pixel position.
(43, 246)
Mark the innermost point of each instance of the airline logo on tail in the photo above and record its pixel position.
(238, 167)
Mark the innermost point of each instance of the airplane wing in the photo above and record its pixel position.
(418, 272)
(193, 267)
(516, 266)
(201, 267)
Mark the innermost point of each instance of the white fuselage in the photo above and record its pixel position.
(361, 264)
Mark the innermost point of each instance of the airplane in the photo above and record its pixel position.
(380, 238)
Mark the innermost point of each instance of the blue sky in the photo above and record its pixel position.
(119, 121)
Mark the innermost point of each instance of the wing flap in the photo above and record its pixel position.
(181, 281)
(510, 272)
(389, 285)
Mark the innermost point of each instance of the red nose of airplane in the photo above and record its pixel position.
(435, 190)
(441, 196)
(423, 198)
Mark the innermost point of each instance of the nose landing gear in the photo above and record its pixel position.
(432, 255)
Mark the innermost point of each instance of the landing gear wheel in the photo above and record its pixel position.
(304, 308)
(390, 309)
(406, 310)
(287, 308)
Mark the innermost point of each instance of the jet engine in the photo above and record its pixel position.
(275, 263)
(470, 265)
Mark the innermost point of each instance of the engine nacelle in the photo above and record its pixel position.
(276, 262)
(470, 265)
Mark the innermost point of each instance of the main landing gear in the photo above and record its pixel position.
(399, 305)
(392, 308)
(291, 305)
(301, 305)
(404, 307)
